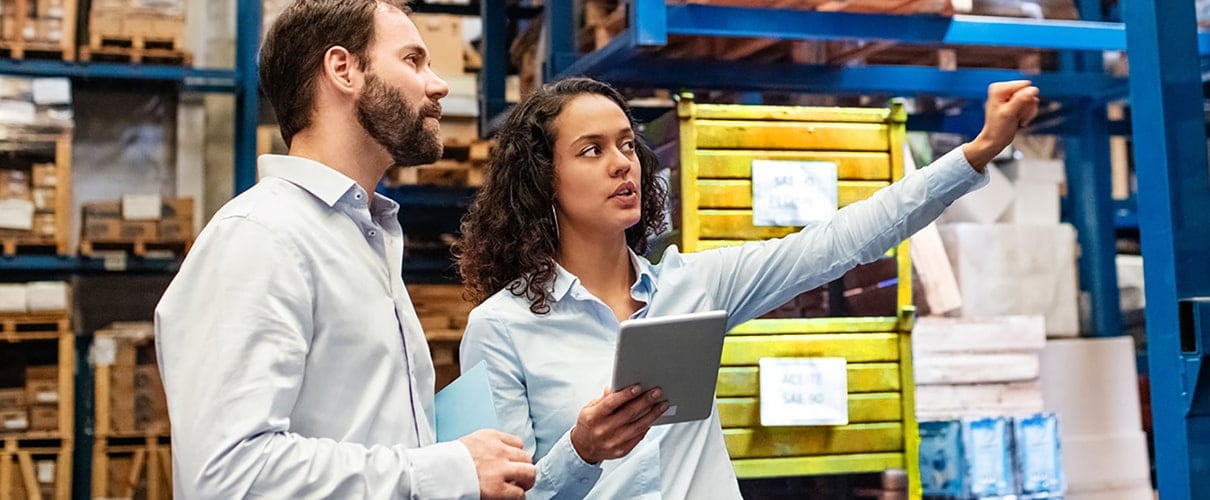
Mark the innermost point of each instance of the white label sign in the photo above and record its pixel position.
(803, 391)
(793, 193)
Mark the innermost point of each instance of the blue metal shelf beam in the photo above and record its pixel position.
(790, 24)
(72, 264)
(627, 60)
(215, 80)
(642, 70)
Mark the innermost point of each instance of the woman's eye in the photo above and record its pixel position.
(628, 146)
(591, 151)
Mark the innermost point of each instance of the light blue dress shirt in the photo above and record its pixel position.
(293, 361)
(544, 369)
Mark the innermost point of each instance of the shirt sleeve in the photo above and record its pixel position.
(754, 278)
(233, 332)
(561, 473)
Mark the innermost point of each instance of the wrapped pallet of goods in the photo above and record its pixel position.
(35, 165)
(137, 31)
(38, 29)
(132, 454)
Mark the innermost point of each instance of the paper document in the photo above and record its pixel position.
(465, 406)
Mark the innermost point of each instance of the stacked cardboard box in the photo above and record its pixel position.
(139, 218)
(34, 297)
(1009, 252)
(14, 416)
(977, 367)
(42, 394)
(138, 19)
(46, 21)
(1092, 385)
(34, 407)
(135, 392)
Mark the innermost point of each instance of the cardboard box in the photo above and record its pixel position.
(45, 225)
(1037, 202)
(442, 34)
(102, 229)
(13, 399)
(103, 209)
(44, 418)
(44, 198)
(176, 229)
(122, 388)
(14, 421)
(139, 230)
(8, 27)
(42, 385)
(1005, 269)
(45, 175)
(986, 205)
(14, 184)
(151, 406)
(50, 9)
(13, 297)
(178, 208)
(140, 207)
(17, 214)
(47, 295)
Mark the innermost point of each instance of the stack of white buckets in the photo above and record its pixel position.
(1092, 384)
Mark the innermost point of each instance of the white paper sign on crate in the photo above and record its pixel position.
(793, 193)
(803, 391)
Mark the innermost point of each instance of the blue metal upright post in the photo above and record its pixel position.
(1174, 203)
(560, 27)
(492, 100)
(247, 97)
(1090, 196)
(1090, 199)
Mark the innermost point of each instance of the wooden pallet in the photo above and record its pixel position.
(32, 245)
(23, 468)
(36, 50)
(129, 52)
(15, 327)
(138, 248)
(145, 469)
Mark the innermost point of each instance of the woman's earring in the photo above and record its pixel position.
(554, 217)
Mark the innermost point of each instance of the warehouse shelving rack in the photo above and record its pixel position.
(1170, 152)
(241, 81)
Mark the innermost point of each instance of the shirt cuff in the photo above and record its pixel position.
(444, 471)
(567, 473)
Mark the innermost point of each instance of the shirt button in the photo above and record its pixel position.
(373, 233)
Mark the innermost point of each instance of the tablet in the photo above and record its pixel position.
(680, 354)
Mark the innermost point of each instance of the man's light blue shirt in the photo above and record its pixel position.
(544, 369)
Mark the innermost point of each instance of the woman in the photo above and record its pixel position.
(570, 174)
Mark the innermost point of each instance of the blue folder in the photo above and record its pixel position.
(466, 406)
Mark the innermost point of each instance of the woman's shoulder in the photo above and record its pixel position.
(502, 306)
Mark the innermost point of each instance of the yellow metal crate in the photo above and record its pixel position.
(710, 149)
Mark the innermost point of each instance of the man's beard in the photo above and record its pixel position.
(396, 125)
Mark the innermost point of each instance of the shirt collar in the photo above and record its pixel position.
(643, 287)
(316, 178)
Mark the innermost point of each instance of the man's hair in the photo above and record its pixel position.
(294, 48)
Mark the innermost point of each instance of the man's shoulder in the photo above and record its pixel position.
(274, 203)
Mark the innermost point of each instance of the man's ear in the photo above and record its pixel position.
(342, 70)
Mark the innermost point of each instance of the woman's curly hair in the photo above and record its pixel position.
(509, 237)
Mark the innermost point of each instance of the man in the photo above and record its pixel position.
(293, 361)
